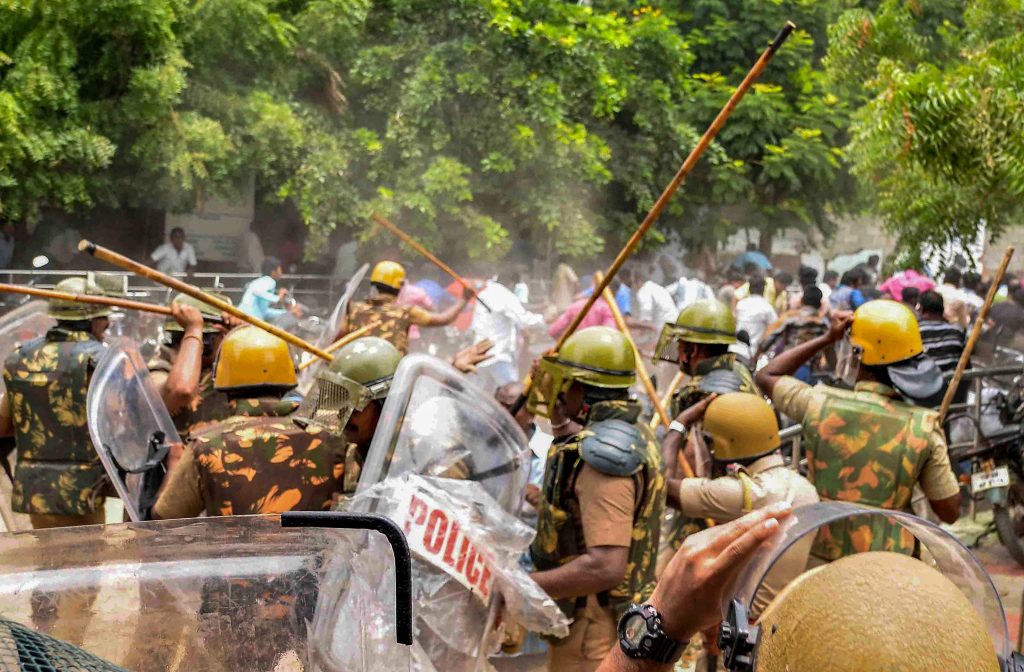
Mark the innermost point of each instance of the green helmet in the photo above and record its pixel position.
(704, 321)
(360, 372)
(596, 356)
(210, 313)
(75, 310)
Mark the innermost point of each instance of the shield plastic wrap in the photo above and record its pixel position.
(945, 552)
(127, 419)
(217, 594)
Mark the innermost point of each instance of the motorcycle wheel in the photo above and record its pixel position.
(1010, 532)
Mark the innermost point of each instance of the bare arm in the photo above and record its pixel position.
(599, 569)
(948, 510)
(675, 442)
(787, 363)
(6, 415)
(182, 384)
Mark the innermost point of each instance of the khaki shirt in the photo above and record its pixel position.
(753, 487)
(793, 397)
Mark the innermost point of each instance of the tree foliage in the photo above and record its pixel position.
(939, 137)
(474, 123)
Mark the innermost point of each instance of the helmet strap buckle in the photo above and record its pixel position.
(738, 639)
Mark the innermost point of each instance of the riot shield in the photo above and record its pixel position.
(331, 327)
(450, 466)
(130, 427)
(220, 594)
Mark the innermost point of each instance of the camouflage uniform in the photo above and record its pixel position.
(560, 536)
(209, 406)
(58, 472)
(258, 461)
(394, 319)
(867, 447)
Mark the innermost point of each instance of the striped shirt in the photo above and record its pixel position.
(943, 342)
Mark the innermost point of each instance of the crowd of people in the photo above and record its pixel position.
(641, 526)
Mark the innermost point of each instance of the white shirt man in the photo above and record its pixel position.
(654, 304)
(175, 256)
(501, 324)
(754, 314)
(689, 290)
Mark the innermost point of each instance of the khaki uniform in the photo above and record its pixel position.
(867, 447)
(760, 484)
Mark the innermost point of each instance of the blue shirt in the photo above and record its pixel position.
(752, 257)
(438, 294)
(623, 297)
(259, 295)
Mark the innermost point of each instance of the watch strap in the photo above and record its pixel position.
(655, 645)
(676, 426)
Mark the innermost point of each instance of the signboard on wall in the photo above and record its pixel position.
(216, 231)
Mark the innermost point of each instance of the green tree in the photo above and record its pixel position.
(938, 140)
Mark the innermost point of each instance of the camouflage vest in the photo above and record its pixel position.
(394, 320)
(560, 536)
(210, 406)
(253, 464)
(58, 471)
(868, 448)
(689, 394)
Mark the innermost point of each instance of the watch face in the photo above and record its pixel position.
(635, 630)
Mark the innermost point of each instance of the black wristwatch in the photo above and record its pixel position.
(641, 636)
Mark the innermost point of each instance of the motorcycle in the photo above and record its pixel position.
(990, 437)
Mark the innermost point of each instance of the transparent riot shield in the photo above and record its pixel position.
(130, 427)
(223, 594)
(450, 466)
(435, 422)
(20, 325)
(944, 551)
(330, 329)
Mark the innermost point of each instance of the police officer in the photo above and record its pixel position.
(743, 435)
(870, 445)
(257, 460)
(602, 497)
(348, 398)
(698, 342)
(183, 367)
(387, 279)
(59, 479)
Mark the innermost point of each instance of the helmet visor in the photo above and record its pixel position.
(333, 400)
(554, 378)
(848, 359)
(667, 349)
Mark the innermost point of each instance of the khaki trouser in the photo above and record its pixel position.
(65, 616)
(592, 635)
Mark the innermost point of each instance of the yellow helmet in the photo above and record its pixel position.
(388, 273)
(873, 611)
(886, 332)
(741, 426)
(250, 357)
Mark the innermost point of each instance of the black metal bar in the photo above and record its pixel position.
(992, 371)
(338, 520)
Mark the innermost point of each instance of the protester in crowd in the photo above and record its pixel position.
(6, 244)
(752, 256)
(954, 297)
(564, 286)
(870, 270)
(175, 256)
(623, 293)
(829, 282)
(598, 315)
(437, 293)
(262, 293)
(906, 278)
(734, 279)
(500, 323)
(1006, 319)
(783, 295)
(250, 257)
(654, 305)
(743, 291)
(847, 296)
(943, 342)
(975, 300)
(754, 314)
(519, 286)
(911, 297)
(412, 294)
(797, 326)
(686, 291)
